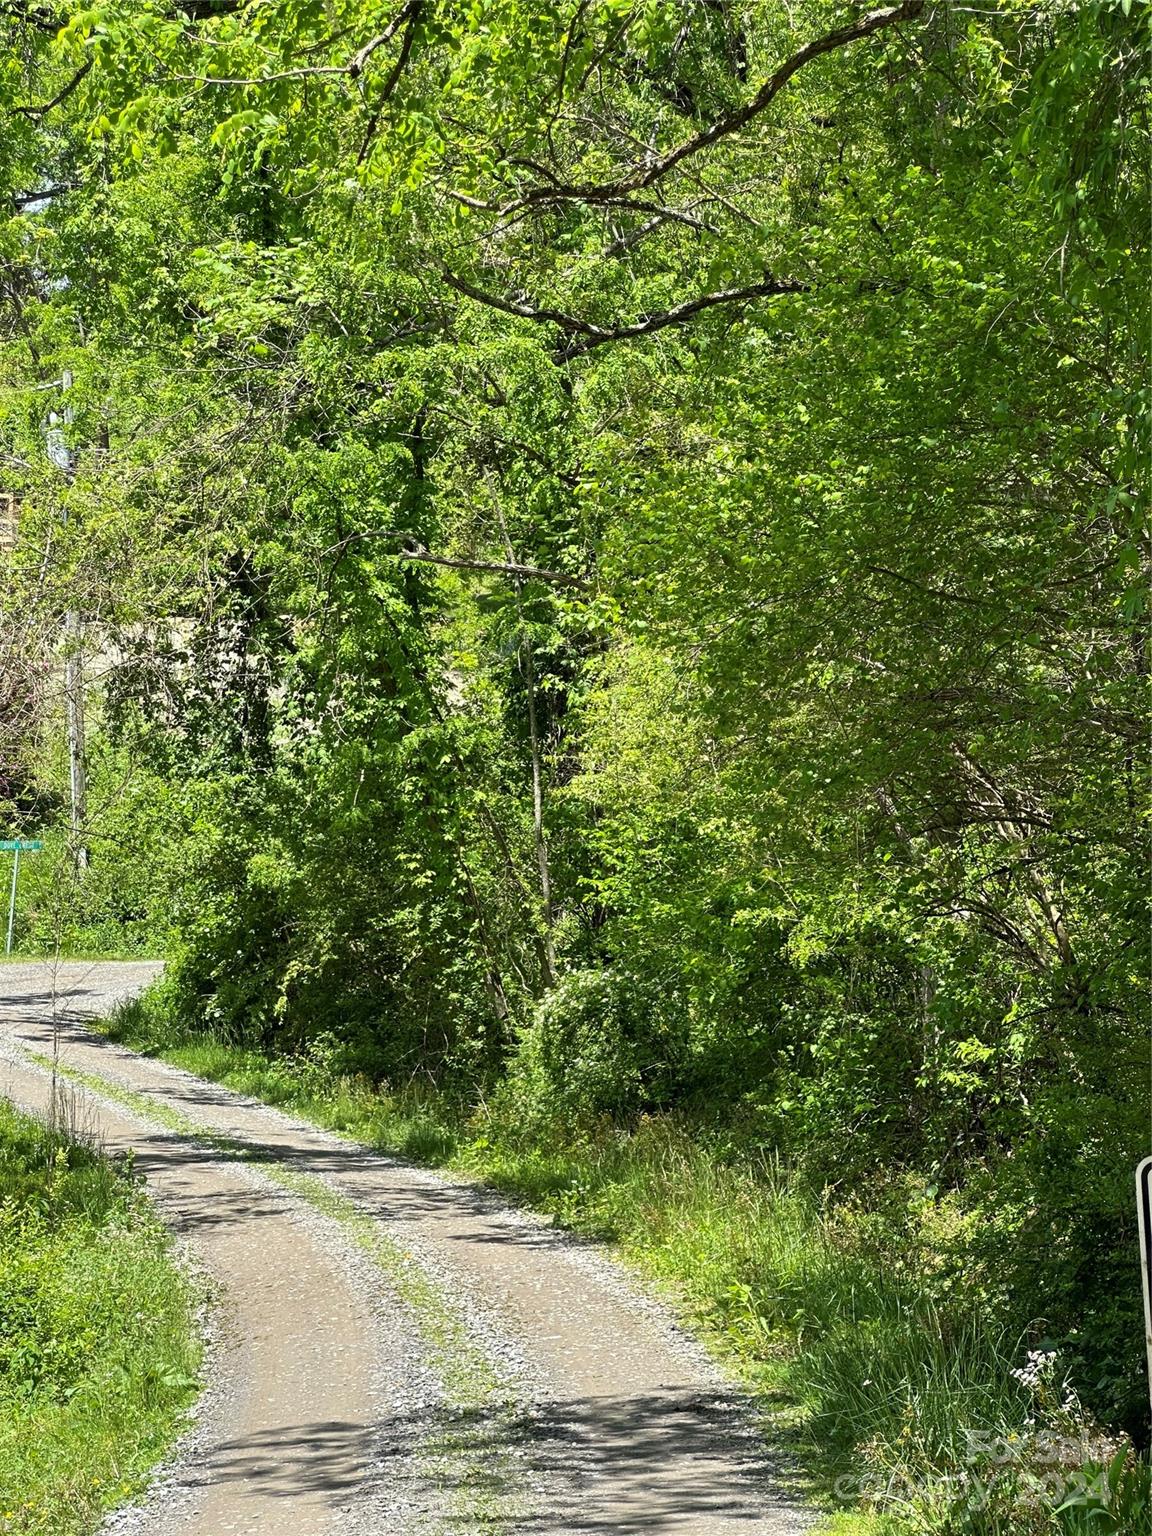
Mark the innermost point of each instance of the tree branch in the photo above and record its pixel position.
(406, 13)
(63, 95)
(646, 175)
(929, 591)
(771, 287)
(38, 16)
(585, 335)
(352, 70)
(413, 549)
(503, 568)
(660, 217)
(26, 199)
(558, 317)
(393, 79)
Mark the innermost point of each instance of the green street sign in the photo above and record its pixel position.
(16, 846)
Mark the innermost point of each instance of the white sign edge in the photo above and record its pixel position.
(1144, 1172)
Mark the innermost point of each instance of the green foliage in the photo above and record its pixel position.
(614, 542)
(121, 903)
(97, 1348)
(597, 1044)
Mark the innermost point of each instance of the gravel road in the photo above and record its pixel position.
(391, 1353)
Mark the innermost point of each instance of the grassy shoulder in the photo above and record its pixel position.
(75, 957)
(98, 1347)
(912, 1412)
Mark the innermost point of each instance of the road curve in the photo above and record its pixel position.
(399, 1354)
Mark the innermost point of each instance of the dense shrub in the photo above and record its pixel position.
(600, 1043)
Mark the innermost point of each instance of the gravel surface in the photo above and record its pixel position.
(493, 1374)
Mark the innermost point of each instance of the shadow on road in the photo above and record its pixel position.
(604, 1462)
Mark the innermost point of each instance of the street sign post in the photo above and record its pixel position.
(1144, 1222)
(16, 846)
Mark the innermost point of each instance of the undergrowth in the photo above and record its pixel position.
(913, 1412)
(98, 1349)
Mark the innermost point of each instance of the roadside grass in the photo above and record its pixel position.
(910, 1411)
(78, 957)
(98, 1346)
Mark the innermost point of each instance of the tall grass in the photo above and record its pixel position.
(910, 1407)
(98, 1350)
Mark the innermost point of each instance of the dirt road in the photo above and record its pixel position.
(393, 1354)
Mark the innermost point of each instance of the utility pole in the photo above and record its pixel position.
(548, 970)
(60, 452)
(77, 776)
